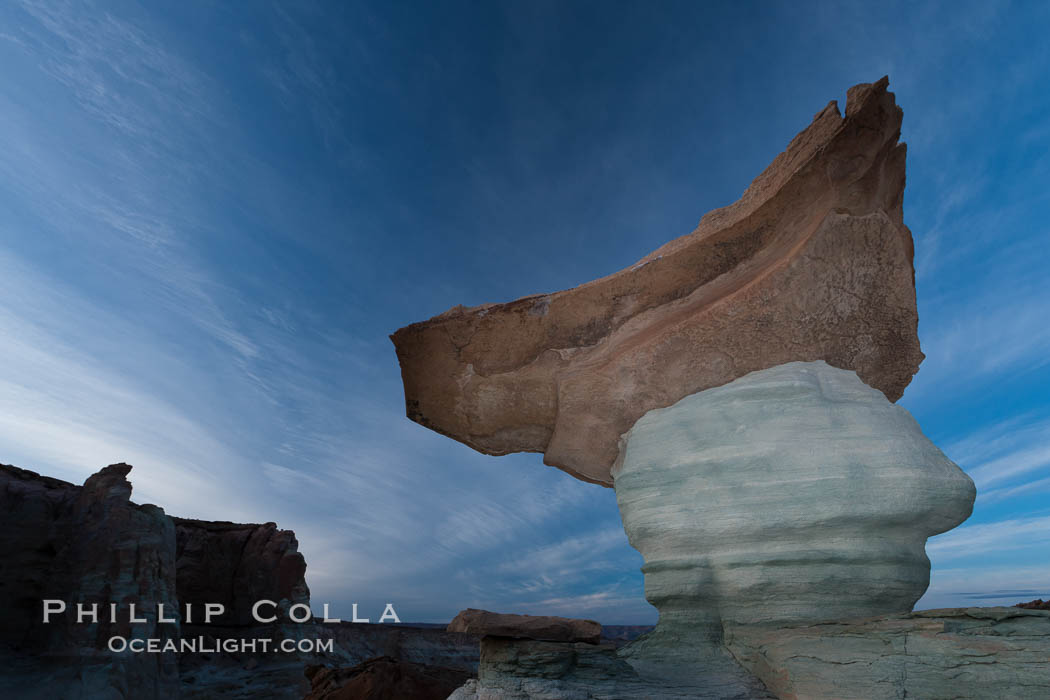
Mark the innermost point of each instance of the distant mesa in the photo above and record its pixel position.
(813, 262)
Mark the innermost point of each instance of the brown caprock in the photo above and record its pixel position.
(813, 262)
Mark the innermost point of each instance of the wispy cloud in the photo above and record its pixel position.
(205, 246)
(1004, 451)
(1030, 488)
(1012, 465)
(578, 555)
(117, 70)
(971, 540)
(68, 409)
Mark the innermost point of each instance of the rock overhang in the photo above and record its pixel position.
(813, 262)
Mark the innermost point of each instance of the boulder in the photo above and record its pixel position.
(552, 629)
(813, 262)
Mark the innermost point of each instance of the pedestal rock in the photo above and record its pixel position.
(735, 386)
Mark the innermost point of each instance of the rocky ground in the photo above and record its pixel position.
(91, 543)
(972, 653)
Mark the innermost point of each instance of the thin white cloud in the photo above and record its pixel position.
(66, 409)
(969, 540)
(117, 69)
(1039, 486)
(577, 555)
(1004, 451)
(1011, 465)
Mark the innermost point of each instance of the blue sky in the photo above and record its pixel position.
(213, 214)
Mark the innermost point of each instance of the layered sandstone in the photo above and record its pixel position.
(88, 545)
(794, 494)
(91, 544)
(527, 669)
(963, 653)
(812, 263)
(970, 654)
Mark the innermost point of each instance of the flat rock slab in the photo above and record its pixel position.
(951, 653)
(971, 653)
(517, 669)
(813, 262)
(537, 627)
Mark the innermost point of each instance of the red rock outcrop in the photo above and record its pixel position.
(813, 262)
(87, 545)
(237, 565)
(90, 544)
(539, 627)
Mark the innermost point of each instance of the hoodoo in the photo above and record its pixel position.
(736, 388)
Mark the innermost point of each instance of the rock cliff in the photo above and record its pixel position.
(236, 565)
(88, 545)
(91, 544)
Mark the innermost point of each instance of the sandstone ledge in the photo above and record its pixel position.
(966, 653)
(537, 627)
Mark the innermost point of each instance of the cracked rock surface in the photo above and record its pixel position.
(812, 263)
(516, 669)
(956, 653)
(961, 653)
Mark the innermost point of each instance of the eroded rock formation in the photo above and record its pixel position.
(796, 493)
(812, 263)
(735, 388)
(971, 654)
(236, 565)
(90, 545)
